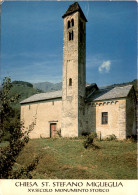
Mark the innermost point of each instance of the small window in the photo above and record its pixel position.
(71, 36)
(72, 22)
(104, 117)
(29, 107)
(70, 82)
(68, 24)
(53, 103)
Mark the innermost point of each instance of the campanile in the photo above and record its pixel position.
(74, 72)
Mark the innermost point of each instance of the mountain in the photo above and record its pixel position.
(134, 82)
(47, 86)
(24, 83)
(24, 89)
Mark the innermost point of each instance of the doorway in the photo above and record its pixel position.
(53, 127)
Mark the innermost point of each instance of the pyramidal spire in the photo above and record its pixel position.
(74, 8)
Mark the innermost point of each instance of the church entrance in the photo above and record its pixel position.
(53, 127)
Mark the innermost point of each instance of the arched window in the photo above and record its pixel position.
(70, 82)
(72, 22)
(68, 24)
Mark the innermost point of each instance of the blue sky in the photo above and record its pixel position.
(32, 41)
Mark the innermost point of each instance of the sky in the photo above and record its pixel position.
(32, 41)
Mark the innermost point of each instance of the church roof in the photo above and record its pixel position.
(74, 8)
(43, 96)
(110, 92)
(100, 94)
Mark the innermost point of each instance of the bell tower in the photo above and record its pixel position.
(74, 72)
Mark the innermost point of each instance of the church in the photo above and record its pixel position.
(79, 108)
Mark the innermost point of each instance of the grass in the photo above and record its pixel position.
(65, 158)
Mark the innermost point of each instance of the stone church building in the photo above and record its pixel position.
(78, 107)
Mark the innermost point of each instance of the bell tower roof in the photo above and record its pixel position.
(74, 8)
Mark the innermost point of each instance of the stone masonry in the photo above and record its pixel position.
(74, 52)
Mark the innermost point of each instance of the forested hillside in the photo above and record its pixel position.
(134, 82)
(24, 89)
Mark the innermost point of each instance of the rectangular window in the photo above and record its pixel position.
(104, 117)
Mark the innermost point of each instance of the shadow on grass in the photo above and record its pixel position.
(92, 146)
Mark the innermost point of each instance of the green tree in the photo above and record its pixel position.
(12, 126)
(7, 113)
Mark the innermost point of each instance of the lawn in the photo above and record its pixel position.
(65, 158)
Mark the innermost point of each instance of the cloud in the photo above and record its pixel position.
(105, 67)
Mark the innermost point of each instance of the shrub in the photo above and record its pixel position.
(24, 172)
(6, 137)
(89, 140)
(59, 132)
(111, 137)
(84, 133)
(132, 138)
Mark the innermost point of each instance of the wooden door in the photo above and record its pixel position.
(52, 129)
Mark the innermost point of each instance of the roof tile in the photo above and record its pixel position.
(110, 93)
(74, 8)
(43, 96)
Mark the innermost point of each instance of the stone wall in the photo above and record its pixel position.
(38, 116)
(131, 113)
(116, 118)
(81, 75)
(73, 68)
(69, 125)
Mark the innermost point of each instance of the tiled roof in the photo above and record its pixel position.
(74, 8)
(110, 93)
(43, 96)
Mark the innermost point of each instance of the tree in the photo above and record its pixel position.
(6, 111)
(12, 126)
